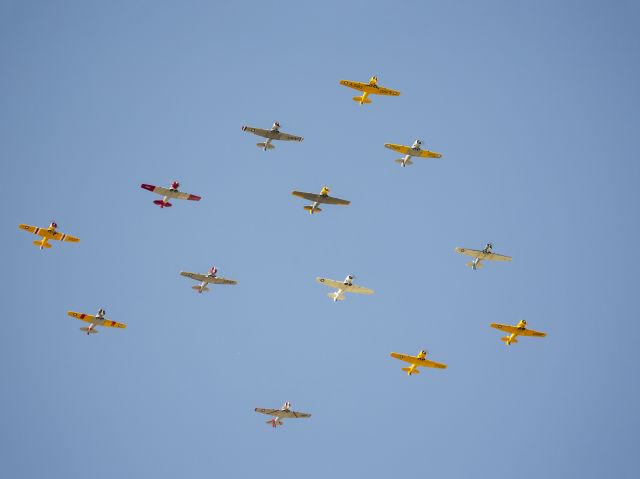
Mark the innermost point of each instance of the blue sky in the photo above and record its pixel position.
(533, 105)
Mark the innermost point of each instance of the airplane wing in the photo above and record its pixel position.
(194, 276)
(45, 233)
(356, 85)
(320, 198)
(507, 328)
(427, 363)
(287, 137)
(354, 288)
(428, 154)
(384, 91)
(531, 332)
(405, 150)
(474, 253)
(113, 324)
(82, 317)
(258, 131)
(269, 412)
(171, 194)
(220, 281)
(332, 283)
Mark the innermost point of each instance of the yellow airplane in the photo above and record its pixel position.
(97, 320)
(411, 151)
(417, 361)
(323, 197)
(367, 89)
(519, 330)
(47, 234)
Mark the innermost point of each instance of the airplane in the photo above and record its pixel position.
(367, 89)
(278, 414)
(168, 193)
(205, 279)
(343, 287)
(273, 134)
(47, 234)
(519, 330)
(485, 254)
(409, 151)
(323, 197)
(417, 361)
(97, 320)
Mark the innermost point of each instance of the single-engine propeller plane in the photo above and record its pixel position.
(367, 89)
(514, 331)
(417, 361)
(206, 279)
(278, 414)
(343, 287)
(168, 193)
(323, 197)
(273, 134)
(97, 320)
(411, 151)
(484, 254)
(47, 234)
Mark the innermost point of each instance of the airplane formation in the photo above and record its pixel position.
(50, 233)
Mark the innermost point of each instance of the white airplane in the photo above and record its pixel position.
(273, 134)
(411, 151)
(485, 254)
(168, 193)
(278, 414)
(343, 287)
(206, 279)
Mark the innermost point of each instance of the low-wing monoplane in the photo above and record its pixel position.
(273, 134)
(417, 361)
(278, 414)
(367, 89)
(343, 287)
(168, 193)
(323, 197)
(410, 151)
(47, 234)
(205, 279)
(97, 320)
(514, 331)
(481, 255)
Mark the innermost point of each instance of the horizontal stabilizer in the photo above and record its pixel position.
(197, 288)
(89, 331)
(162, 204)
(506, 338)
(335, 297)
(40, 244)
(408, 370)
(404, 163)
(268, 146)
(361, 100)
(309, 208)
(478, 266)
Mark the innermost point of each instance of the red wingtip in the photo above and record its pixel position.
(147, 187)
(194, 198)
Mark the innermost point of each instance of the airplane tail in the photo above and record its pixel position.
(41, 244)
(265, 146)
(478, 266)
(410, 372)
(361, 99)
(89, 331)
(506, 340)
(197, 288)
(162, 204)
(309, 208)
(274, 422)
(404, 163)
(335, 296)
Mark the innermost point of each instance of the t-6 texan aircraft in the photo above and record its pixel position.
(343, 287)
(205, 279)
(47, 234)
(273, 134)
(519, 330)
(417, 361)
(278, 414)
(323, 197)
(367, 89)
(97, 320)
(168, 193)
(410, 151)
(485, 254)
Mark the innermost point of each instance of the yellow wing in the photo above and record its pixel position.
(113, 324)
(407, 150)
(378, 90)
(356, 85)
(45, 233)
(429, 154)
(82, 317)
(427, 363)
(531, 332)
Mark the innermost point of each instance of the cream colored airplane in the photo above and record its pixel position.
(323, 197)
(278, 414)
(367, 89)
(485, 254)
(519, 330)
(273, 134)
(205, 279)
(47, 234)
(411, 151)
(343, 287)
(417, 361)
(97, 320)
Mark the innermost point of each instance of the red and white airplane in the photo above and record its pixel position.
(169, 193)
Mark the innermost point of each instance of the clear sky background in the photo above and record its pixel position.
(535, 108)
